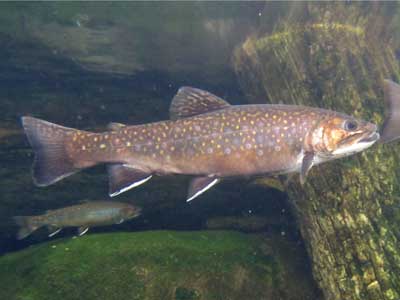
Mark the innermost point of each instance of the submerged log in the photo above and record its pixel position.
(348, 211)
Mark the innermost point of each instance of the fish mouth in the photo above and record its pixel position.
(356, 143)
(373, 137)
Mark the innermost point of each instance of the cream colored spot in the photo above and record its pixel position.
(102, 146)
(128, 144)
(95, 139)
(83, 147)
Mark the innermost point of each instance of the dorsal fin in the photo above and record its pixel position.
(113, 126)
(190, 102)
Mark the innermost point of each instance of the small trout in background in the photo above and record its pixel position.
(209, 139)
(83, 216)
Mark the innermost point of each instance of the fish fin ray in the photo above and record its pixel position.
(391, 126)
(27, 225)
(123, 178)
(308, 161)
(51, 162)
(82, 230)
(190, 101)
(114, 126)
(199, 185)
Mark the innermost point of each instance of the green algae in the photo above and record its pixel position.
(149, 265)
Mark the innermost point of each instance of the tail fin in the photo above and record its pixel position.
(27, 224)
(51, 162)
(391, 126)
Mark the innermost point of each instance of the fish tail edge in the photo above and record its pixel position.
(51, 162)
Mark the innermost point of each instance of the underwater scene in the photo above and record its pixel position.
(200, 150)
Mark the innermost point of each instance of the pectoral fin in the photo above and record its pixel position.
(199, 185)
(82, 230)
(308, 161)
(123, 178)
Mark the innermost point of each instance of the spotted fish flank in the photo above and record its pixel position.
(206, 137)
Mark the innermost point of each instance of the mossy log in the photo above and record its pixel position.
(348, 211)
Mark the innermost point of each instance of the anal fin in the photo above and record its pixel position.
(199, 185)
(123, 178)
(82, 230)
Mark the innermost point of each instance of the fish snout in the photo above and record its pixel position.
(372, 127)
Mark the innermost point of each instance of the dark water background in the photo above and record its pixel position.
(90, 102)
(41, 81)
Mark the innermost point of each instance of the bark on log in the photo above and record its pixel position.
(348, 211)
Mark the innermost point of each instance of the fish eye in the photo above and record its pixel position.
(350, 125)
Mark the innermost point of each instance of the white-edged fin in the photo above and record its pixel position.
(189, 102)
(391, 126)
(199, 185)
(53, 231)
(82, 230)
(123, 178)
(308, 161)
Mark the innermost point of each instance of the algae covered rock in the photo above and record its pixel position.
(334, 59)
(154, 265)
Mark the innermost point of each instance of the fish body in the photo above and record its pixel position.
(235, 141)
(89, 214)
(205, 137)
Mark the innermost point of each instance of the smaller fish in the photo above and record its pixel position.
(83, 216)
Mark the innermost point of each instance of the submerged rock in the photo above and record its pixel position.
(156, 265)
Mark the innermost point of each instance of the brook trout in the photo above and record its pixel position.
(90, 214)
(208, 138)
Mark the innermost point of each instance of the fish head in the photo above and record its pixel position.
(130, 212)
(339, 135)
